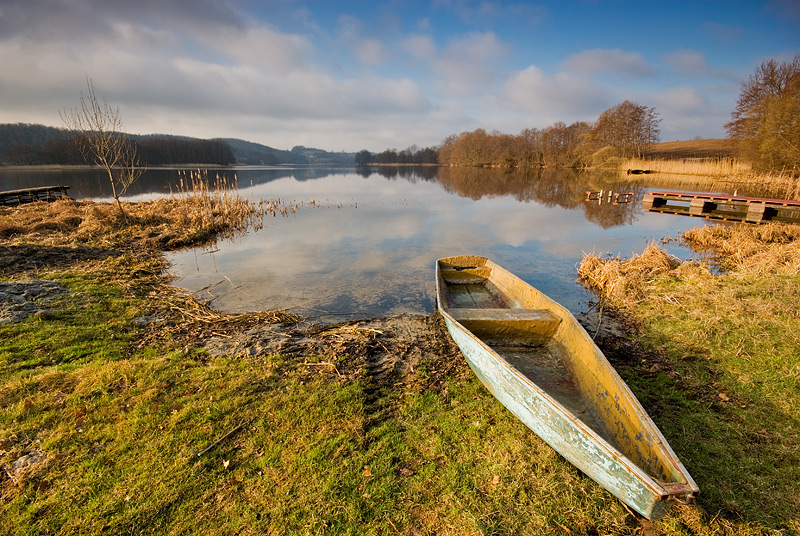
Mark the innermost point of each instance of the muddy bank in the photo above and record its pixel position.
(22, 299)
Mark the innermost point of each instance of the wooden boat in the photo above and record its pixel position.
(538, 361)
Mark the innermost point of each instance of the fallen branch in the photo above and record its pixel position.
(220, 440)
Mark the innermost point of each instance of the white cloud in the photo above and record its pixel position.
(420, 46)
(688, 63)
(468, 64)
(559, 97)
(693, 64)
(237, 79)
(683, 99)
(280, 76)
(262, 47)
(687, 113)
(370, 51)
(631, 64)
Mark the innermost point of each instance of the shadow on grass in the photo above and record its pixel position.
(741, 450)
(16, 260)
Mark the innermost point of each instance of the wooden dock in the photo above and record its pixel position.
(723, 207)
(30, 195)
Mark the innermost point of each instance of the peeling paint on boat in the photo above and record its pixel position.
(537, 360)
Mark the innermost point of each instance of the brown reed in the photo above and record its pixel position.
(717, 174)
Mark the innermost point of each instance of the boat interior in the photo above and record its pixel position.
(522, 327)
(521, 336)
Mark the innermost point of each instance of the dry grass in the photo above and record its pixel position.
(725, 167)
(750, 250)
(742, 250)
(723, 174)
(115, 245)
(728, 374)
(625, 281)
(198, 214)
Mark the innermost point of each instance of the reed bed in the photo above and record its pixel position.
(717, 174)
(746, 251)
(750, 250)
(202, 211)
(718, 167)
(625, 282)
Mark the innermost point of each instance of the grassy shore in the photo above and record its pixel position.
(118, 416)
(726, 331)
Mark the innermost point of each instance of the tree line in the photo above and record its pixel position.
(411, 156)
(61, 148)
(625, 130)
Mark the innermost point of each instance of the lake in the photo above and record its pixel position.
(363, 243)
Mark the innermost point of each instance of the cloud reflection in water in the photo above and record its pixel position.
(368, 245)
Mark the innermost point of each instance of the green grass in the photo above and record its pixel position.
(288, 448)
(722, 381)
(740, 365)
(309, 452)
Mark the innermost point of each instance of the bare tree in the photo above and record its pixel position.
(765, 122)
(98, 130)
(629, 127)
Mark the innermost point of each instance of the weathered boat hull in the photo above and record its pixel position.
(557, 382)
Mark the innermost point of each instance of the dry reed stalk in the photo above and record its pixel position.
(625, 283)
(745, 251)
(195, 312)
(750, 249)
(724, 167)
(724, 174)
(190, 318)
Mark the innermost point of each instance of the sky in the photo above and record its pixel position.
(352, 75)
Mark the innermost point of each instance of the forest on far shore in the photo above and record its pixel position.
(23, 144)
(623, 131)
(155, 151)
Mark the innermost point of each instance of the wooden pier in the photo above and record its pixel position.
(723, 207)
(30, 195)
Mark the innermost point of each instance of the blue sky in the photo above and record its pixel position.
(352, 75)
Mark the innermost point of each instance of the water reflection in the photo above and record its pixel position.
(368, 244)
(369, 249)
(86, 183)
(550, 187)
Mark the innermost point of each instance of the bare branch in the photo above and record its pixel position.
(97, 127)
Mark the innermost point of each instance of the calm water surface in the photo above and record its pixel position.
(367, 244)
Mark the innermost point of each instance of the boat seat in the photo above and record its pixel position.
(536, 325)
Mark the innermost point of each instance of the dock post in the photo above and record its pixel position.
(701, 207)
(758, 212)
(650, 201)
